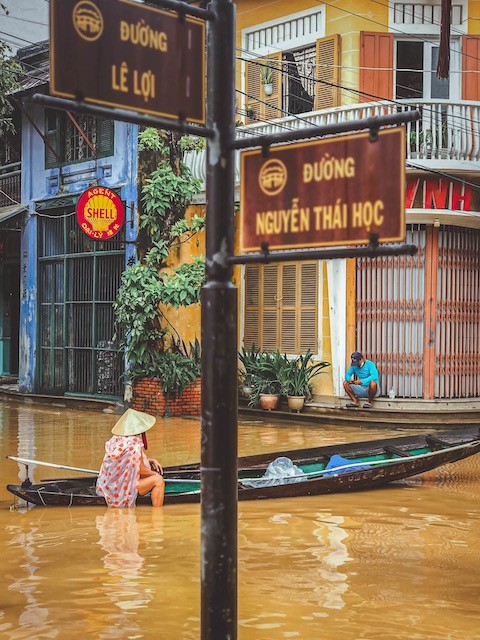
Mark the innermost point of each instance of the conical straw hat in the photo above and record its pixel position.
(133, 423)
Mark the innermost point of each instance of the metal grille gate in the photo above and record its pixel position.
(418, 317)
(79, 279)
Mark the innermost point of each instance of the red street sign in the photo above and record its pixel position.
(130, 55)
(100, 213)
(334, 191)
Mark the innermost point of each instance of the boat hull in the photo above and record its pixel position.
(443, 448)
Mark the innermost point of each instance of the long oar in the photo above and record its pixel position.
(27, 461)
(52, 464)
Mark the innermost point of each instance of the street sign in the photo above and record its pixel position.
(120, 53)
(333, 191)
(100, 213)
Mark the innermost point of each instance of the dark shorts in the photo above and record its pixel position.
(361, 391)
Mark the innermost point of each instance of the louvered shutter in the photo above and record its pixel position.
(328, 70)
(261, 111)
(471, 68)
(53, 123)
(308, 329)
(376, 66)
(252, 307)
(281, 307)
(104, 138)
(288, 309)
(270, 308)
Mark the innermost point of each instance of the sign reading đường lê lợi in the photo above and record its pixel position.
(333, 191)
(127, 54)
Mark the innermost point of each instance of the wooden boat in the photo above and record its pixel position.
(367, 465)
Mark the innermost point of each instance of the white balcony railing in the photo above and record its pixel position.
(447, 135)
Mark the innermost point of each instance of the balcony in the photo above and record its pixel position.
(10, 184)
(446, 137)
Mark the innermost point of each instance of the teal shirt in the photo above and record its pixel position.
(366, 373)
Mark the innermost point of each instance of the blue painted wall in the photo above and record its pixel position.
(118, 172)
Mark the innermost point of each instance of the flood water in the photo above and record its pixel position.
(401, 562)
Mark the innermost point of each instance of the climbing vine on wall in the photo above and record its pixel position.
(166, 188)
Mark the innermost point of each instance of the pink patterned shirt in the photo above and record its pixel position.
(120, 470)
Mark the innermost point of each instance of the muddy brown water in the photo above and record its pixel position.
(401, 562)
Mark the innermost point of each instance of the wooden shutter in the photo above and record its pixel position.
(104, 138)
(270, 307)
(252, 307)
(262, 111)
(308, 329)
(288, 309)
(281, 307)
(53, 124)
(328, 70)
(471, 68)
(376, 66)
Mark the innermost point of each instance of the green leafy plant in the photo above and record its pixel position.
(176, 371)
(10, 71)
(262, 370)
(166, 188)
(296, 375)
(266, 72)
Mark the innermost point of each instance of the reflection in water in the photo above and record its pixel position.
(33, 619)
(372, 565)
(125, 585)
(331, 555)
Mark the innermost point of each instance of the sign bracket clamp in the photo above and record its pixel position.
(183, 9)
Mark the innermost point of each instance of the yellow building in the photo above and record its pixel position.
(418, 317)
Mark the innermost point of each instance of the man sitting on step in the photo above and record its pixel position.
(361, 381)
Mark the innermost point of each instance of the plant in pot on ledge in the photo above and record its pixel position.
(295, 379)
(265, 382)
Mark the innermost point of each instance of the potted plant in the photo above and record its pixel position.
(295, 379)
(261, 369)
(249, 110)
(266, 78)
(249, 359)
(268, 392)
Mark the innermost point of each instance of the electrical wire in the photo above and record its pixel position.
(434, 114)
(408, 163)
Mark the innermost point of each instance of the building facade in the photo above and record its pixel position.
(417, 317)
(65, 281)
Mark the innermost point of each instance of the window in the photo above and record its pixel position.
(302, 80)
(415, 76)
(281, 307)
(76, 140)
(305, 66)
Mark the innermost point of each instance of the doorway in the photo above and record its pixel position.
(418, 317)
(9, 302)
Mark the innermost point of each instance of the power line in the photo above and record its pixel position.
(385, 26)
(362, 93)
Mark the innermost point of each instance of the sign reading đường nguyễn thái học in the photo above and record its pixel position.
(331, 192)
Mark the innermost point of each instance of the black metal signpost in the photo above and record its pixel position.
(219, 296)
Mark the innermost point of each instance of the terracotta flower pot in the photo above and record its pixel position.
(295, 403)
(268, 401)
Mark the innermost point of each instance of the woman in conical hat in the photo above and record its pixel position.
(126, 471)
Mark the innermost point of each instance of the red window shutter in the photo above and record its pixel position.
(376, 66)
(471, 68)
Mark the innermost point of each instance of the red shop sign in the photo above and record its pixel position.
(100, 213)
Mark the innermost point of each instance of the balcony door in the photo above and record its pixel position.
(415, 72)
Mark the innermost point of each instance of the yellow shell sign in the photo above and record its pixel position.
(100, 213)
